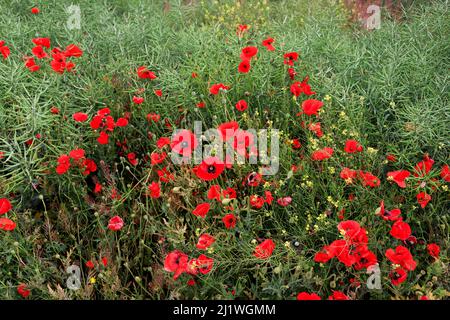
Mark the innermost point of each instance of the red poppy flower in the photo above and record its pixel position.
(268, 44)
(155, 190)
(158, 92)
(322, 154)
(248, 53)
(229, 220)
(103, 138)
(348, 174)
(39, 52)
(77, 154)
(256, 201)
(311, 106)
(209, 169)
(227, 130)
(201, 210)
(264, 249)
(398, 276)
(297, 88)
(316, 128)
(45, 42)
(201, 104)
(308, 296)
(63, 164)
(401, 256)
(216, 88)
(157, 158)
(163, 141)
(138, 100)
(241, 105)
(204, 264)
(5, 206)
(242, 140)
(23, 291)
(338, 295)
(121, 122)
(291, 73)
(144, 73)
(73, 51)
(176, 261)
(80, 117)
(214, 192)
(35, 10)
(90, 264)
(4, 50)
(290, 58)
(244, 66)
(194, 75)
(369, 179)
(391, 158)
(400, 230)
(285, 201)
(398, 177)
(115, 223)
(253, 179)
(7, 224)
(424, 166)
(184, 142)
(445, 173)
(392, 215)
(31, 64)
(433, 250)
(423, 198)
(352, 146)
(205, 241)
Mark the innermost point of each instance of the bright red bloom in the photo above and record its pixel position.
(31, 64)
(201, 210)
(215, 88)
(424, 166)
(204, 264)
(103, 138)
(157, 158)
(23, 291)
(155, 190)
(138, 100)
(290, 58)
(268, 44)
(401, 256)
(244, 66)
(285, 201)
(227, 130)
(209, 169)
(256, 201)
(77, 154)
(400, 230)
(5, 206)
(144, 73)
(248, 53)
(90, 264)
(391, 158)
(7, 224)
(445, 173)
(4, 50)
(316, 128)
(423, 198)
(122, 122)
(433, 250)
(73, 51)
(398, 276)
(297, 88)
(229, 193)
(229, 220)
(35, 10)
(308, 296)
(338, 295)
(176, 261)
(322, 154)
(398, 177)
(205, 241)
(184, 142)
(392, 215)
(39, 52)
(201, 104)
(348, 174)
(265, 249)
(368, 179)
(241, 105)
(311, 106)
(80, 117)
(115, 223)
(158, 92)
(63, 164)
(163, 141)
(45, 42)
(352, 146)
(214, 192)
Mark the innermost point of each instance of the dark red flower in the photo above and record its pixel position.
(209, 169)
(22, 290)
(398, 276)
(433, 250)
(155, 190)
(445, 173)
(352, 146)
(241, 105)
(176, 261)
(290, 58)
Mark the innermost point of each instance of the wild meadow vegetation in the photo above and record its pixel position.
(86, 139)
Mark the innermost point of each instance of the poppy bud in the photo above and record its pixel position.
(226, 201)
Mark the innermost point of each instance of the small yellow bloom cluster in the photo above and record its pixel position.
(332, 201)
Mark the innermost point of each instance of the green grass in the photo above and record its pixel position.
(392, 84)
